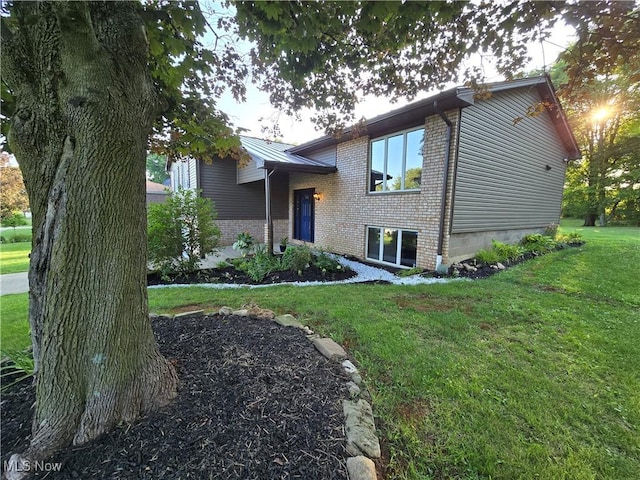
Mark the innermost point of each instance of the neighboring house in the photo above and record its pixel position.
(156, 192)
(427, 184)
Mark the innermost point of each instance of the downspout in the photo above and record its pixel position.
(445, 182)
(267, 194)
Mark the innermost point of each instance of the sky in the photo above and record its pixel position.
(247, 115)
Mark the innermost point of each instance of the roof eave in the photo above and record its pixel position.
(558, 118)
(411, 115)
(297, 167)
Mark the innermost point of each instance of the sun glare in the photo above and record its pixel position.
(602, 113)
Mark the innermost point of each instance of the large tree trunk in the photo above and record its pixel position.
(84, 107)
(590, 220)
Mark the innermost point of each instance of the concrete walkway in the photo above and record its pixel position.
(14, 283)
(11, 283)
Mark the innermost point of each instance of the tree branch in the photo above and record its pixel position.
(15, 64)
(76, 30)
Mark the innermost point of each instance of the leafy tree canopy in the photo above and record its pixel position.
(188, 76)
(13, 195)
(156, 168)
(326, 56)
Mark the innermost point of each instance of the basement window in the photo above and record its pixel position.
(392, 246)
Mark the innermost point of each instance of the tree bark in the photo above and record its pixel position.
(85, 105)
(590, 220)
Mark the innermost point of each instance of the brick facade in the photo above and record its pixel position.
(346, 207)
(231, 228)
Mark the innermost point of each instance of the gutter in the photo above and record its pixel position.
(445, 181)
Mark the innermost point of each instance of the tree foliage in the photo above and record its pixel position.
(156, 168)
(327, 55)
(598, 77)
(13, 194)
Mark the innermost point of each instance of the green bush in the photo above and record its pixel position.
(571, 238)
(262, 264)
(15, 220)
(181, 231)
(20, 368)
(296, 258)
(537, 243)
(244, 243)
(551, 230)
(409, 272)
(10, 237)
(325, 263)
(487, 256)
(507, 252)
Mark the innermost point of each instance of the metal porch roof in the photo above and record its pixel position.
(274, 155)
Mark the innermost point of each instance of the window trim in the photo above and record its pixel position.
(404, 134)
(398, 262)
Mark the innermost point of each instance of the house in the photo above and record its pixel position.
(156, 192)
(424, 185)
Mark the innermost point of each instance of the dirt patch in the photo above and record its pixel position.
(414, 411)
(256, 401)
(428, 303)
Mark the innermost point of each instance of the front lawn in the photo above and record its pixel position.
(14, 257)
(532, 373)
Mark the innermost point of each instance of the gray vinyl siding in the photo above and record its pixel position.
(326, 156)
(244, 201)
(502, 182)
(250, 173)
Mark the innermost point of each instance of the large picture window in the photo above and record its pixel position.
(389, 245)
(396, 161)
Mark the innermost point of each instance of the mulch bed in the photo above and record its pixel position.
(256, 401)
(231, 275)
(485, 270)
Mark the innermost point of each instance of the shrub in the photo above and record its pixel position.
(15, 220)
(572, 239)
(297, 258)
(15, 237)
(244, 243)
(180, 231)
(20, 368)
(325, 263)
(261, 264)
(551, 230)
(487, 256)
(507, 252)
(537, 243)
(409, 272)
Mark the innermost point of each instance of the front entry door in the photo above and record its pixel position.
(303, 217)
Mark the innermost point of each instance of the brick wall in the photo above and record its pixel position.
(231, 228)
(346, 207)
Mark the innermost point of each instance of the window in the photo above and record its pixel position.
(396, 161)
(389, 245)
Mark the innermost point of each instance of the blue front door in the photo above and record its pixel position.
(303, 218)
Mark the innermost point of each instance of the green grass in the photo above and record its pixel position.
(8, 234)
(14, 257)
(532, 373)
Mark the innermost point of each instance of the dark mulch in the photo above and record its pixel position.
(231, 275)
(485, 270)
(256, 401)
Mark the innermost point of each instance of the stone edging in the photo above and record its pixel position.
(362, 443)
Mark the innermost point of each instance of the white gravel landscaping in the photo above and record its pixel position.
(365, 273)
